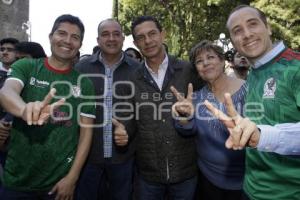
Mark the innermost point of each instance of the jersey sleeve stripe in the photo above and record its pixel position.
(16, 79)
(88, 115)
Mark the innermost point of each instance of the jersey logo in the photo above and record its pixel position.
(76, 91)
(69, 159)
(38, 83)
(269, 88)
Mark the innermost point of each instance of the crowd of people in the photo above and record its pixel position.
(143, 124)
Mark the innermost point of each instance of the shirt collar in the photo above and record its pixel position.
(276, 49)
(114, 66)
(163, 66)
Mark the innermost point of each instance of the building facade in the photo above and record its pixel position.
(14, 19)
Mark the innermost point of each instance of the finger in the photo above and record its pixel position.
(58, 104)
(176, 93)
(230, 107)
(28, 113)
(49, 97)
(229, 143)
(190, 92)
(37, 106)
(228, 122)
(122, 136)
(43, 118)
(53, 190)
(117, 124)
(174, 111)
(236, 135)
(249, 129)
(121, 132)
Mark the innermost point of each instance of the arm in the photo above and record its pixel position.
(66, 186)
(283, 139)
(10, 98)
(189, 128)
(35, 113)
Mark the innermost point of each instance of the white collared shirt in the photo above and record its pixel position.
(277, 48)
(160, 75)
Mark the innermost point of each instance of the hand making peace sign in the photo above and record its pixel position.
(242, 131)
(184, 107)
(38, 112)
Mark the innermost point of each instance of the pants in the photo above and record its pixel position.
(107, 181)
(184, 190)
(208, 191)
(8, 194)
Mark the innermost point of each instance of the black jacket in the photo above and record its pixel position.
(92, 65)
(162, 154)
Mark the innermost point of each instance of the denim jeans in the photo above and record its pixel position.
(184, 190)
(8, 194)
(106, 181)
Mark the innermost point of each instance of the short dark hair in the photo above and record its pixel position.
(136, 52)
(70, 19)
(12, 41)
(34, 49)
(142, 19)
(205, 45)
(229, 55)
(261, 14)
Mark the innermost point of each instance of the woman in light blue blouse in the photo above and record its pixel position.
(221, 169)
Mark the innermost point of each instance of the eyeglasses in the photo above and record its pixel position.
(9, 49)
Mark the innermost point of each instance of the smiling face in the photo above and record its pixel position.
(249, 34)
(149, 40)
(65, 42)
(110, 37)
(209, 65)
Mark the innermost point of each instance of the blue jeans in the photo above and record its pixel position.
(184, 190)
(8, 194)
(107, 181)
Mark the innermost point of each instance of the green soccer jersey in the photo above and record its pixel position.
(274, 98)
(39, 156)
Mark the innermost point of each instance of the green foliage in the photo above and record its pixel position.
(188, 22)
(284, 18)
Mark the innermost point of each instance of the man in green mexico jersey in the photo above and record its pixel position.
(271, 129)
(51, 133)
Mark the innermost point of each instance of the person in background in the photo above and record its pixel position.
(240, 65)
(135, 54)
(221, 169)
(271, 129)
(29, 50)
(51, 133)
(109, 168)
(7, 57)
(8, 52)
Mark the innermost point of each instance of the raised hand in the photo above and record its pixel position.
(120, 133)
(184, 107)
(38, 112)
(242, 131)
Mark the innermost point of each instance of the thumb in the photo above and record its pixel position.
(53, 190)
(117, 124)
